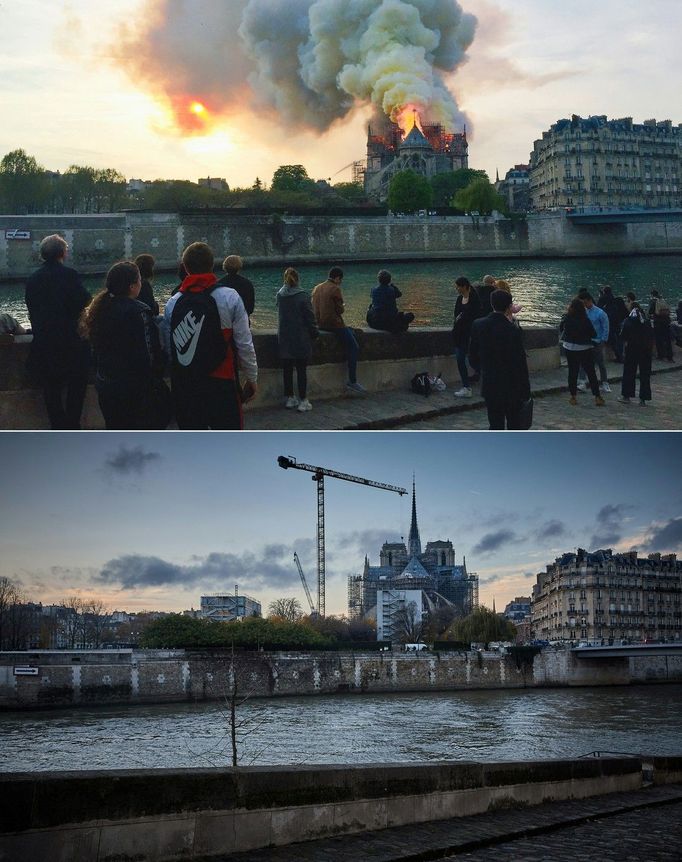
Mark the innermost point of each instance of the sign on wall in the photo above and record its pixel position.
(17, 234)
(26, 671)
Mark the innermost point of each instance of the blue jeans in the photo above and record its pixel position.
(461, 357)
(352, 350)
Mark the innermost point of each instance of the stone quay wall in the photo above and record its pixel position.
(97, 241)
(76, 678)
(387, 362)
(164, 814)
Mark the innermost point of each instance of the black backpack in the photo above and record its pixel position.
(421, 384)
(196, 336)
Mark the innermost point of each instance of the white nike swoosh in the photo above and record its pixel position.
(186, 358)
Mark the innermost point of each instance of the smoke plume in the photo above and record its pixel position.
(303, 62)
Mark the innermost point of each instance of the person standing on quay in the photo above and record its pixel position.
(577, 335)
(296, 332)
(638, 337)
(600, 321)
(497, 348)
(467, 309)
(328, 306)
(233, 265)
(616, 311)
(145, 263)
(659, 312)
(60, 358)
(130, 362)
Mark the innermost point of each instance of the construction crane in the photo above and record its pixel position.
(305, 585)
(319, 473)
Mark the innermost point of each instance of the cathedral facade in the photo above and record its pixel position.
(427, 151)
(381, 592)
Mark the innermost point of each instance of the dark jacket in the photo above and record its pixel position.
(638, 335)
(577, 330)
(465, 315)
(497, 348)
(383, 308)
(244, 288)
(130, 354)
(484, 292)
(55, 297)
(296, 329)
(147, 296)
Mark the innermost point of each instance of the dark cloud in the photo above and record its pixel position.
(529, 574)
(130, 461)
(494, 541)
(608, 529)
(273, 566)
(361, 542)
(667, 537)
(551, 530)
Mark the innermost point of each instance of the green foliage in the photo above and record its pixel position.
(291, 178)
(482, 626)
(253, 633)
(409, 192)
(177, 195)
(24, 185)
(352, 192)
(445, 186)
(480, 197)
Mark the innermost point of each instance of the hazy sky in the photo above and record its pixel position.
(72, 92)
(153, 521)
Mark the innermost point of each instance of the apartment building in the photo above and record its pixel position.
(607, 163)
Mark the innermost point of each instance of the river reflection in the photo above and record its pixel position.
(542, 287)
(483, 725)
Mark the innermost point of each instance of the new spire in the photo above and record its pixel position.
(414, 545)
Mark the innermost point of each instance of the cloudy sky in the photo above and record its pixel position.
(96, 83)
(152, 521)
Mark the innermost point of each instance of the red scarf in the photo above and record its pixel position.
(197, 283)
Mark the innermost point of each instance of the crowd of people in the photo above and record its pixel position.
(202, 341)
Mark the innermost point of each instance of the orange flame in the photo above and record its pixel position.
(192, 115)
(408, 117)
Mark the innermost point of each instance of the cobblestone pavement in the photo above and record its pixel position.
(643, 826)
(409, 412)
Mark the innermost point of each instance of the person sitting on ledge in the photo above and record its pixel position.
(383, 312)
(10, 325)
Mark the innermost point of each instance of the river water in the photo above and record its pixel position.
(542, 287)
(532, 724)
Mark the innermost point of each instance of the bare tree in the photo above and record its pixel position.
(286, 609)
(72, 621)
(409, 625)
(95, 617)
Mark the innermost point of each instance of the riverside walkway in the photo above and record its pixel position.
(644, 824)
(442, 411)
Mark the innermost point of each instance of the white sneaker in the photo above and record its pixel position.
(464, 392)
(605, 387)
(291, 403)
(582, 387)
(304, 406)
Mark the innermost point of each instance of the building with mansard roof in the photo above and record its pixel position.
(408, 575)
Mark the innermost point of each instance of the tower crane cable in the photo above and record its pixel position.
(319, 474)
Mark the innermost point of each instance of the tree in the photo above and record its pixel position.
(408, 624)
(354, 193)
(286, 609)
(409, 192)
(480, 197)
(24, 187)
(291, 178)
(95, 617)
(445, 186)
(482, 626)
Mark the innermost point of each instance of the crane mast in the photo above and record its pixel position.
(318, 476)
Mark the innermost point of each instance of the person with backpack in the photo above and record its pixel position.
(659, 312)
(207, 328)
(130, 363)
(296, 331)
(638, 337)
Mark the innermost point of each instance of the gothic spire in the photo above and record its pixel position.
(414, 545)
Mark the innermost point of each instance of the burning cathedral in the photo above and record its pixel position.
(427, 150)
(409, 581)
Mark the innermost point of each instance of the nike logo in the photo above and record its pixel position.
(186, 338)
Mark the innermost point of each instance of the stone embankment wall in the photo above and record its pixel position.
(183, 814)
(96, 241)
(77, 678)
(388, 362)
